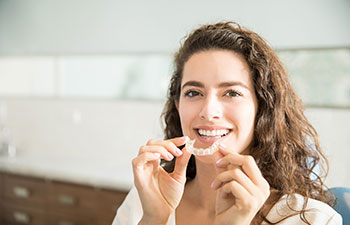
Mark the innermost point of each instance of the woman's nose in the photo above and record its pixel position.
(211, 109)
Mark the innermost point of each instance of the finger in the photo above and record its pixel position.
(181, 164)
(235, 174)
(178, 141)
(236, 189)
(144, 158)
(243, 200)
(145, 167)
(224, 150)
(170, 144)
(247, 163)
(217, 156)
(156, 148)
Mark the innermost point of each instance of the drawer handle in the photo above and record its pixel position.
(63, 222)
(21, 217)
(67, 200)
(21, 192)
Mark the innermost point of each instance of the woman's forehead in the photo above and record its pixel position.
(215, 67)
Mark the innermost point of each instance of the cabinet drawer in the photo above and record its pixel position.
(104, 221)
(1, 198)
(17, 215)
(1, 212)
(107, 202)
(69, 219)
(24, 190)
(64, 197)
(1, 185)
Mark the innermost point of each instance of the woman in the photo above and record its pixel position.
(229, 87)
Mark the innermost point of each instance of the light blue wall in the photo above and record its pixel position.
(112, 26)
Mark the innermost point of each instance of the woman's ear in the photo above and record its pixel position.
(177, 105)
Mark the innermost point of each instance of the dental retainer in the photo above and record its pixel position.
(201, 151)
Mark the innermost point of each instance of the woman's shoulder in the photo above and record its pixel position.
(317, 212)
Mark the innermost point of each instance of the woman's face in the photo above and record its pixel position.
(217, 100)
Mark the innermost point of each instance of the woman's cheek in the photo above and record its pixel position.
(183, 120)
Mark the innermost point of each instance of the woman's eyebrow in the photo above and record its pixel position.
(193, 83)
(232, 83)
(221, 85)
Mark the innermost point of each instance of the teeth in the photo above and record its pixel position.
(212, 133)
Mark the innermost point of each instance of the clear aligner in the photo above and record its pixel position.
(201, 151)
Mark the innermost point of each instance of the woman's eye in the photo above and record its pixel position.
(233, 93)
(192, 93)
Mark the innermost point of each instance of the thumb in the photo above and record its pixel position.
(217, 156)
(181, 164)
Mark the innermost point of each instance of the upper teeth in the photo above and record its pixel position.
(213, 132)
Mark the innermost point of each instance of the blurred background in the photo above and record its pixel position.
(83, 84)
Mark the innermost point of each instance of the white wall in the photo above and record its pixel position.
(112, 26)
(78, 128)
(332, 126)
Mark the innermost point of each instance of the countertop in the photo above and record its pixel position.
(107, 173)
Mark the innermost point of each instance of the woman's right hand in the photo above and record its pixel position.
(160, 192)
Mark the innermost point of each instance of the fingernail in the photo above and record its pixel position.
(212, 185)
(219, 161)
(157, 154)
(178, 151)
(170, 155)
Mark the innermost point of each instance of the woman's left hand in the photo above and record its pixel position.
(241, 188)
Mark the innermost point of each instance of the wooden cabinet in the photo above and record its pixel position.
(1, 185)
(1, 199)
(24, 200)
(35, 201)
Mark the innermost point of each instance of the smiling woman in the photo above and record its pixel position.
(229, 87)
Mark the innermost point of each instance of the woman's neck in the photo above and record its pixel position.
(199, 191)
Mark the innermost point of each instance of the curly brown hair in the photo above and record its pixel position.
(285, 145)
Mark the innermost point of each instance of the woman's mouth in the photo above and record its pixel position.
(212, 133)
(208, 137)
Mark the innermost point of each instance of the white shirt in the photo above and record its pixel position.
(130, 212)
